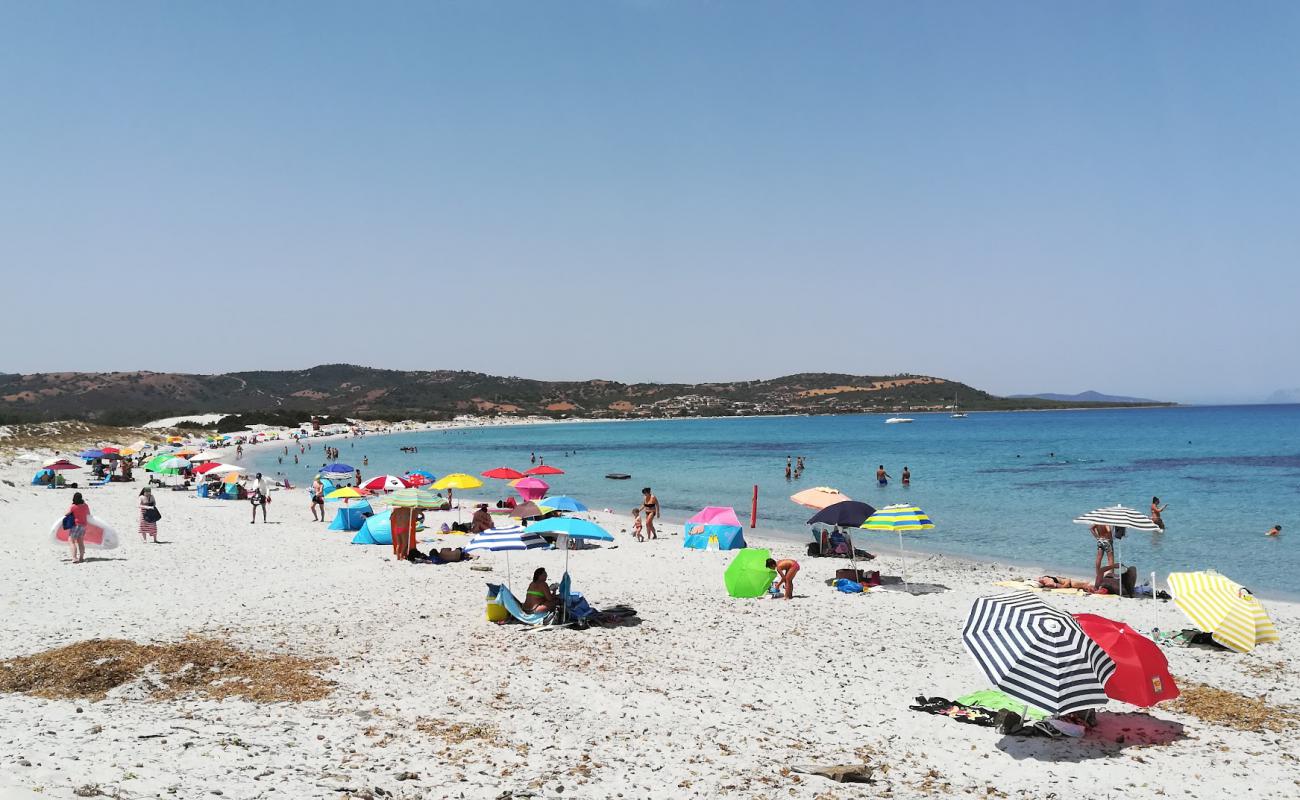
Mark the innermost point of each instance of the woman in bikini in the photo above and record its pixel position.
(1156, 511)
(651, 505)
(786, 569)
(539, 596)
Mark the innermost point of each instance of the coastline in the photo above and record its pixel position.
(824, 679)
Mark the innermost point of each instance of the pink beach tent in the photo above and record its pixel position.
(714, 528)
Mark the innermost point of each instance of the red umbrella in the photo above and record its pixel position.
(545, 469)
(503, 473)
(205, 466)
(415, 480)
(1142, 672)
(62, 463)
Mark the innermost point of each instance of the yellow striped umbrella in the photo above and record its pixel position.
(1223, 609)
(898, 518)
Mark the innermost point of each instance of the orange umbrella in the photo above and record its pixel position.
(819, 497)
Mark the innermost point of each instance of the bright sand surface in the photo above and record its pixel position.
(707, 697)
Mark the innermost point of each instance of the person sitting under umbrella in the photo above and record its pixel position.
(482, 520)
(540, 597)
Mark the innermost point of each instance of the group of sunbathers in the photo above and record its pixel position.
(1107, 585)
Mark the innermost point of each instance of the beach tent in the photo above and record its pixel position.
(713, 528)
(351, 517)
(376, 530)
(748, 574)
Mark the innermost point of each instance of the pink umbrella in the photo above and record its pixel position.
(531, 488)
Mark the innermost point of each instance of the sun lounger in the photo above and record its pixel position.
(107, 479)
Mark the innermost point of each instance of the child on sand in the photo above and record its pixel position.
(636, 524)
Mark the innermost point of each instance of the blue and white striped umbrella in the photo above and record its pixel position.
(504, 539)
(1037, 654)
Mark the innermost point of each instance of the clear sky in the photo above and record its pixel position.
(1022, 196)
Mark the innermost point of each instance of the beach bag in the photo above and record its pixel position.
(848, 586)
(69, 521)
(152, 514)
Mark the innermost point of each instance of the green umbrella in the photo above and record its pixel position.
(152, 464)
(748, 575)
(414, 498)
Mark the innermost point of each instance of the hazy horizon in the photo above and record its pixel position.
(1022, 197)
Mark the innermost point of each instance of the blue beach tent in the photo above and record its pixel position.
(351, 517)
(376, 530)
(714, 528)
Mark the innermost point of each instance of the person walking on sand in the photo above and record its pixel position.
(786, 569)
(882, 477)
(260, 497)
(636, 524)
(1156, 511)
(77, 535)
(907, 476)
(317, 499)
(149, 516)
(651, 505)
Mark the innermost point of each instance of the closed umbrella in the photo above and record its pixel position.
(1141, 669)
(506, 540)
(1222, 608)
(1037, 654)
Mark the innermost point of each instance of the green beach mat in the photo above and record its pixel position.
(993, 700)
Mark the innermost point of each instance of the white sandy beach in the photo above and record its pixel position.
(707, 697)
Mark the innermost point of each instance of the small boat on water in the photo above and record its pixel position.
(957, 413)
(618, 476)
(896, 420)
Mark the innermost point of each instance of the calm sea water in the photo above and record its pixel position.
(997, 485)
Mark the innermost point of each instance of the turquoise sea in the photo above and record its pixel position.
(998, 485)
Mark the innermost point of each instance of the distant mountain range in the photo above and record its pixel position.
(131, 398)
(1093, 397)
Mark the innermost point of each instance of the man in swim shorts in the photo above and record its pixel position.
(882, 477)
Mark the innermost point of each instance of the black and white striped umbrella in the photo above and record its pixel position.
(1037, 654)
(505, 540)
(1119, 517)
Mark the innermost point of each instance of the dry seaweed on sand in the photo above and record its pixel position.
(211, 668)
(1233, 710)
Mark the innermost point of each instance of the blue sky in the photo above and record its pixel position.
(1022, 196)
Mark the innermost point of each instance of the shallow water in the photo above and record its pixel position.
(997, 485)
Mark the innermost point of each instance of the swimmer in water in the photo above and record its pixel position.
(1156, 510)
(907, 477)
(1277, 529)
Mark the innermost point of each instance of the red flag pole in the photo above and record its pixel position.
(753, 509)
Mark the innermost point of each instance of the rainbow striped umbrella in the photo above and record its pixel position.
(1224, 609)
(899, 518)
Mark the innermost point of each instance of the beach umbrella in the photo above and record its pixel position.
(1118, 516)
(568, 528)
(1037, 654)
(1222, 608)
(899, 518)
(206, 467)
(152, 464)
(506, 540)
(223, 469)
(62, 463)
(819, 497)
(386, 483)
(748, 574)
(457, 480)
(89, 454)
(337, 469)
(844, 514)
(345, 494)
(526, 510)
(416, 479)
(1141, 669)
(502, 473)
(560, 503)
(231, 477)
(423, 473)
(206, 455)
(531, 488)
(173, 466)
(414, 498)
(544, 469)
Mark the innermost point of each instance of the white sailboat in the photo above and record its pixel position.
(957, 413)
